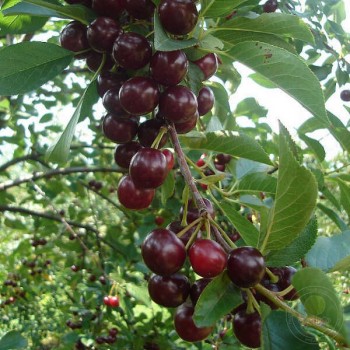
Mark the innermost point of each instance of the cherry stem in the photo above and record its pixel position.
(272, 276)
(189, 226)
(250, 304)
(224, 234)
(285, 291)
(159, 137)
(193, 236)
(220, 239)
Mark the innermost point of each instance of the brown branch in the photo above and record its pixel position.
(32, 156)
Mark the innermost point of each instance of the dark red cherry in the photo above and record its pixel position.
(112, 104)
(185, 326)
(94, 60)
(205, 100)
(208, 65)
(73, 37)
(178, 104)
(184, 128)
(193, 212)
(149, 130)
(108, 8)
(169, 67)
(140, 9)
(113, 332)
(285, 275)
(345, 95)
(139, 95)
(270, 6)
(207, 258)
(169, 291)
(113, 301)
(178, 17)
(132, 197)
(102, 33)
(109, 80)
(245, 267)
(197, 289)
(148, 168)
(124, 153)
(247, 328)
(176, 227)
(132, 51)
(169, 158)
(223, 158)
(119, 130)
(163, 252)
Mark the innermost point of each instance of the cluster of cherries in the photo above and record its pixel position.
(111, 300)
(108, 339)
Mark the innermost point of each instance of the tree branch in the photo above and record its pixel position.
(32, 156)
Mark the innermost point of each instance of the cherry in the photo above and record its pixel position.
(159, 220)
(113, 332)
(134, 198)
(132, 51)
(285, 275)
(149, 130)
(169, 67)
(208, 65)
(247, 328)
(119, 130)
(185, 326)
(178, 17)
(102, 280)
(148, 168)
(139, 95)
(345, 95)
(178, 104)
(100, 340)
(109, 80)
(184, 128)
(106, 300)
(197, 289)
(245, 267)
(74, 268)
(193, 212)
(176, 227)
(200, 162)
(234, 236)
(110, 339)
(113, 301)
(108, 8)
(111, 102)
(163, 252)
(219, 167)
(205, 100)
(169, 158)
(223, 158)
(102, 33)
(94, 60)
(207, 258)
(169, 291)
(140, 9)
(270, 6)
(73, 37)
(124, 153)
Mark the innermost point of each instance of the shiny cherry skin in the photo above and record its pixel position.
(94, 60)
(119, 130)
(106, 300)
(184, 128)
(176, 227)
(148, 168)
(124, 153)
(112, 104)
(169, 67)
(108, 8)
(163, 252)
(113, 301)
(73, 37)
(178, 104)
(197, 289)
(132, 197)
(222, 158)
(208, 65)
(193, 212)
(285, 275)
(139, 95)
(140, 9)
(345, 95)
(207, 258)
(205, 100)
(149, 130)
(178, 17)
(185, 326)
(169, 158)
(270, 6)
(169, 291)
(245, 266)
(247, 328)
(109, 80)
(102, 33)
(132, 51)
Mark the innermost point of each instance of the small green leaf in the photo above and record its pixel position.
(28, 65)
(140, 293)
(211, 179)
(218, 298)
(315, 146)
(344, 195)
(333, 216)
(91, 97)
(13, 340)
(219, 8)
(168, 187)
(222, 105)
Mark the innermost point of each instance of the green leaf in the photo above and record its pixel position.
(333, 216)
(244, 167)
(287, 71)
(162, 42)
(218, 298)
(140, 293)
(195, 77)
(13, 340)
(168, 187)
(211, 179)
(91, 97)
(315, 146)
(283, 331)
(297, 249)
(331, 253)
(339, 132)
(219, 8)
(294, 203)
(319, 297)
(26, 66)
(226, 142)
(344, 195)
(246, 229)
(257, 182)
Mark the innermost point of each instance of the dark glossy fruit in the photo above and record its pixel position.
(140, 9)
(223, 158)
(208, 65)
(285, 275)
(193, 212)
(148, 168)
(113, 301)
(109, 80)
(345, 95)
(184, 128)
(169, 158)
(176, 227)
(119, 130)
(197, 289)
(247, 328)
(205, 100)
(169, 291)
(106, 300)
(102, 33)
(149, 130)
(169, 67)
(245, 266)
(73, 37)
(112, 104)
(178, 17)
(108, 8)
(113, 332)
(139, 95)
(94, 60)
(132, 197)
(75, 268)
(219, 167)
(270, 6)
(132, 51)
(207, 258)
(178, 104)
(124, 153)
(162, 252)
(186, 328)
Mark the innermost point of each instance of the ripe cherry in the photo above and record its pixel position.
(184, 128)
(285, 275)
(207, 258)
(247, 328)
(112, 104)
(270, 6)
(119, 130)
(159, 220)
(169, 158)
(223, 158)
(113, 301)
(124, 153)
(140, 9)
(132, 197)
(109, 80)
(94, 60)
(185, 326)
(163, 252)
(208, 65)
(197, 289)
(205, 100)
(73, 37)
(75, 268)
(169, 291)
(149, 130)
(106, 300)
(108, 8)
(113, 332)
(178, 17)
(245, 266)
(345, 95)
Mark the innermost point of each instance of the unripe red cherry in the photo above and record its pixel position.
(208, 65)
(106, 300)
(73, 37)
(247, 328)
(205, 100)
(169, 158)
(113, 301)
